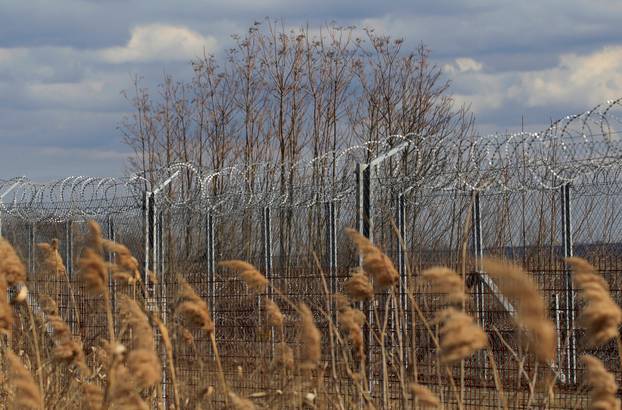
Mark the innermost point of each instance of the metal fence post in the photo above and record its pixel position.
(267, 263)
(69, 248)
(267, 244)
(71, 314)
(400, 222)
(365, 227)
(211, 261)
(364, 219)
(159, 271)
(478, 255)
(111, 258)
(31, 247)
(146, 237)
(567, 244)
(150, 245)
(331, 250)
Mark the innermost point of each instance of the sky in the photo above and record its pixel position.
(64, 63)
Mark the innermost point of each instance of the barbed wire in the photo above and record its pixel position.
(581, 148)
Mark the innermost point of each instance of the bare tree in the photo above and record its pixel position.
(284, 95)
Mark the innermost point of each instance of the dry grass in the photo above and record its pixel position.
(322, 364)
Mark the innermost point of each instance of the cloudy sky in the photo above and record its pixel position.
(63, 63)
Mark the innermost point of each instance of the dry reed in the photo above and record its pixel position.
(27, 394)
(358, 288)
(284, 356)
(192, 308)
(425, 397)
(11, 266)
(93, 271)
(123, 393)
(310, 339)
(446, 281)
(352, 320)
(94, 238)
(249, 274)
(460, 336)
(602, 384)
(274, 317)
(126, 266)
(6, 313)
(600, 315)
(168, 345)
(195, 311)
(531, 308)
(93, 396)
(375, 263)
(240, 403)
(142, 361)
(67, 347)
(50, 261)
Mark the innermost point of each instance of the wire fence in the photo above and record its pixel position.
(531, 197)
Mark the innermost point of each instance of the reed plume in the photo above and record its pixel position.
(11, 266)
(93, 396)
(358, 288)
(600, 315)
(425, 397)
(6, 313)
(126, 267)
(67, 347)
(94, 238)
(164, 334)
(460, 336)
(531, 308)
(142, 361)
(123, 393)
(27, 394)
(602, 384)
(446, 281)
(249, 274)
(274, 317)
(50, 261)
(284, 356)
(375, 263)
(352, 320)
(187, 336)
(192, 308)
(310, 339)
(240, 403)
(93, 272)
(195, 311)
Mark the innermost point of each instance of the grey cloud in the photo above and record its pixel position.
(60, 100)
